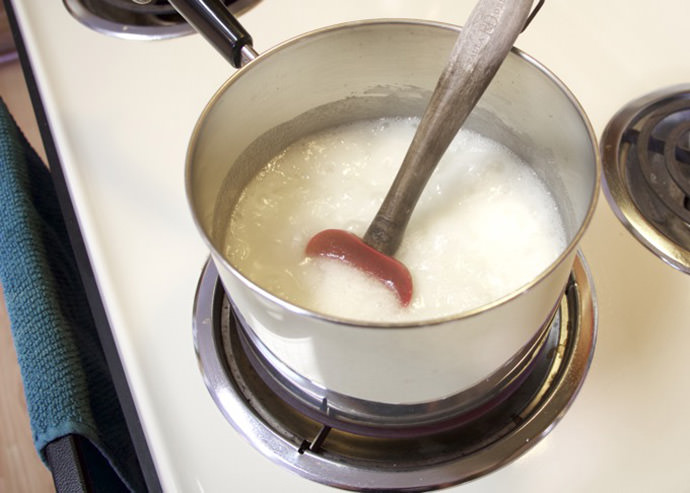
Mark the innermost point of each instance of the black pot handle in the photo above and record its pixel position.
(213, 20)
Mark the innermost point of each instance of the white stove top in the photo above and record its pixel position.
(121, 113)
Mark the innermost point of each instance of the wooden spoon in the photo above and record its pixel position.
(481, 47)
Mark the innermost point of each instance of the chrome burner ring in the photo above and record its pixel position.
(139, 19)
(646, 163)
(328, 455)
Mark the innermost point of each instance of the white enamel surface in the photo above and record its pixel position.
(121, 113)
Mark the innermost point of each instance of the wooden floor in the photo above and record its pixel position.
(21, 470)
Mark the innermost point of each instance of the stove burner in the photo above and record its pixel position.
(328, 454)
(646, 158)
(138, 19)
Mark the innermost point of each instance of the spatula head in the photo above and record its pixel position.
(349, 248)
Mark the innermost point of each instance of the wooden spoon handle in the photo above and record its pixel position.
(481, 47)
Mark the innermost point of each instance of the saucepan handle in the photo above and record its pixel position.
(533, 14)
(216, 23)
(213, 20)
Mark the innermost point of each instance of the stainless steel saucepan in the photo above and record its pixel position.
(370, 372)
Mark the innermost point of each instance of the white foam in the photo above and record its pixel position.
(484, 226)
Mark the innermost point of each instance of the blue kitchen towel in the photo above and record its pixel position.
(66, 381)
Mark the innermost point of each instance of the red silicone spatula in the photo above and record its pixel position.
(481, 47)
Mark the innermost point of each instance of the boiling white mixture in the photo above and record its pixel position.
(484, 226)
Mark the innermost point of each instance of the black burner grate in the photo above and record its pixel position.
(662, 154)
(152, 7)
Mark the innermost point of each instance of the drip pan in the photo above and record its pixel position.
(139, 19)
(646, 179)
(327, 454)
